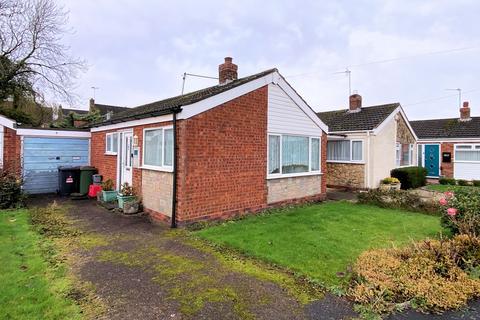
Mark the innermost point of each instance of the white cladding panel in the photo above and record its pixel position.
(466, 170)
(285, 116)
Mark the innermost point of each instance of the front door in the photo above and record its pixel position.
(432, 157)
(126, 155)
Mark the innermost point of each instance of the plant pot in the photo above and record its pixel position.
(392, 186)
(109, 196)
(122, 199)
(130, 207)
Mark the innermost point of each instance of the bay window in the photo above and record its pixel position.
(158, 148)
(345, 151)
(111, 143)
(467, 152)
(404, 154)
(293, 154)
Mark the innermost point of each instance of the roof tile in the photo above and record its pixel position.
(447, 128)
(368, 118)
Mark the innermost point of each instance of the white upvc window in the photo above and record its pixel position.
(345, 151)
(293, 155)
(111, 143)
(158, 149)
(467, 153)
(403, 154)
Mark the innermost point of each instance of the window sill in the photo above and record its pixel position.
(153, 168)
(346, 162)
(404, 166)
(292, 175)
(110, 153)
(465, 161)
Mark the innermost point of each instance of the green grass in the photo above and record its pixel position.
(318, 241)
(30, 288)
(446, 187)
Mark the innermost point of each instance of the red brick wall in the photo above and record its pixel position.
(106, 164)
(223, 158)
(447, 168)
(11, 150)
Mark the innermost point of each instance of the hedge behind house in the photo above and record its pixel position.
(410, 177)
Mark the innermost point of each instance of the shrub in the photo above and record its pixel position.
(476, 183)
(447, 181)
(463, 182)
(430, 275)
(461, 211)
(399, 199)
(11, 194)
(107, 185)
(127, 190)
(390, 180)
(410, 177)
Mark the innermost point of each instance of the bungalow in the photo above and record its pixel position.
(450, 147)
(237, 147)
(366, 143)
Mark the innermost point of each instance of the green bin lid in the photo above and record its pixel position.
(88, 168)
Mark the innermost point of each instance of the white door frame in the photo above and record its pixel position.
(120, 146)
(439, 158)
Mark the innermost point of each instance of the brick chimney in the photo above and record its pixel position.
(465, 112)
(355, 102)
(227, 71)
(92, 104)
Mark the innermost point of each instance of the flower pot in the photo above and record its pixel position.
(109, 196)
(391, 186)
(130, 207)
(122, 199)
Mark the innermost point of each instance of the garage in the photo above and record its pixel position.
(467, 162)
(43, 154)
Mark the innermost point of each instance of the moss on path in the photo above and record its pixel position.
(142, 271)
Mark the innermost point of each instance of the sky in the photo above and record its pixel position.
(137, 51)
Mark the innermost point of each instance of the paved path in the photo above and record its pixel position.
(142, 271)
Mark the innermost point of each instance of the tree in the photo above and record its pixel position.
(33, 61)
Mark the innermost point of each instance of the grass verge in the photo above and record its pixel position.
(31, 288)
(36, 250)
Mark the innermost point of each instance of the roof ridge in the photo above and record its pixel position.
(365, 107)
(166, 105)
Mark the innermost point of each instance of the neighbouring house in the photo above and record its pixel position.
(106, 111)
(36, 153)
(450, 147)
(366, 143)
(237, 147)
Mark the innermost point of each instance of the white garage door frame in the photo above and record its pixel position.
(466, 169)
(46, 133)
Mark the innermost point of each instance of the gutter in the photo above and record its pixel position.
(136, 117)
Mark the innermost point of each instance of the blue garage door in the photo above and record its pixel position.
(43, 156)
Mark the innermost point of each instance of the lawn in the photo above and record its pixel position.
(446, 187)
(30, 288)
(318, 241)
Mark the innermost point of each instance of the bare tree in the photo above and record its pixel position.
(33, 59)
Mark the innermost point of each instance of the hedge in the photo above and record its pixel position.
(410, 177)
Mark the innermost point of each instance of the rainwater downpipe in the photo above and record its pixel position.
(175, 164)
